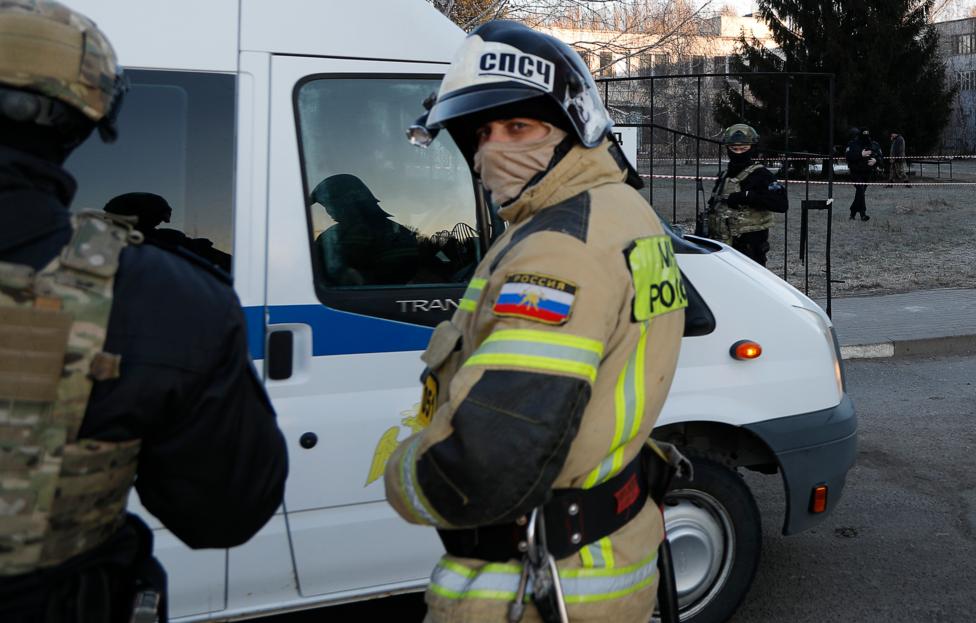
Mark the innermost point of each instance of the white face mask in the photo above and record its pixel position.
(506, 168)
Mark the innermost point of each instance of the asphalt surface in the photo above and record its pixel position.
(902, 544)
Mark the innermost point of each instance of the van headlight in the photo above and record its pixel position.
(833, 345)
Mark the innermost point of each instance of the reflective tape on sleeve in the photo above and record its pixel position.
(469, 302)
(543, 351)
(419, 506)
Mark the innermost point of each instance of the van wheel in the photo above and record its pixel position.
(713, 526)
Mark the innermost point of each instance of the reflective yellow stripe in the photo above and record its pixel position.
(540, 350)
(606, 547)
(548, 337)
(598, 554)
(499, 582)
(469, 302)
(629, 402)
(417, 502)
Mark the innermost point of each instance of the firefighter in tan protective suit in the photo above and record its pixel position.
(544, 387)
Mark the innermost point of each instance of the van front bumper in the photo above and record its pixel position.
(812, 449)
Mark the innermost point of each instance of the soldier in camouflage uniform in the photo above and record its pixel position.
(740, 211)
(120, 363)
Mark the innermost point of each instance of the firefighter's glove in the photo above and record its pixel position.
(738, 200)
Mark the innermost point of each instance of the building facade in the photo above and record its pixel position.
(957, 43)
(682, 104)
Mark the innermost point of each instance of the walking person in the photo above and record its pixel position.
(542, 390)
(863, 157)
(896, 166)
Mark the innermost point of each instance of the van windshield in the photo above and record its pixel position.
(383, 213)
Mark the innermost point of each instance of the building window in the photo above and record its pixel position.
(587, 57)
(697, 64)
(606, 63)
(964, 44)
(967, 80)
(720, 64)
(659, 62)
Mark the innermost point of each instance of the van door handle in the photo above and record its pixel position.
(280, 354)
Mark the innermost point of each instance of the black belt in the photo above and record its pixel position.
(574, 517)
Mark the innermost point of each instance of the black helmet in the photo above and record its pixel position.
(150, 208)
(507, 69)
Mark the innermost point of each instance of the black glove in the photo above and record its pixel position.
(738, 200)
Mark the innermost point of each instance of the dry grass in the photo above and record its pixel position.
(918, 238)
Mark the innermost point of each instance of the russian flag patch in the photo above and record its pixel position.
(536, 297)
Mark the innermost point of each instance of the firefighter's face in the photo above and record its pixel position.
(517, 130)
(739, 149)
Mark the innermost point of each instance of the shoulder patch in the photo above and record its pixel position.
(571, 217)
(658, 287)
(532, 296)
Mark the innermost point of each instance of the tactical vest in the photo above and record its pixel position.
(60, 496)
(724, 222)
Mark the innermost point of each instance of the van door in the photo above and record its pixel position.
(371, 243)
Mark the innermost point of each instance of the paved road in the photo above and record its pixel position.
(900, 547)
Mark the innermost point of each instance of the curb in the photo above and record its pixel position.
(948, 345)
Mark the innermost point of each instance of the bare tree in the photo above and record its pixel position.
(469, 14)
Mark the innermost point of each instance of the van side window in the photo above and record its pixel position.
(172, 166)
(382, 212)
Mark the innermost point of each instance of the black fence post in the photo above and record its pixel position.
(650, 190)
(674, 180)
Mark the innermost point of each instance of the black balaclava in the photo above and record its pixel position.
(44, 142)
(738, 162)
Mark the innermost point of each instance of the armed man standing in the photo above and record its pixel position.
(863, 158)
(544, 387)
(744, 198)
(119, 362)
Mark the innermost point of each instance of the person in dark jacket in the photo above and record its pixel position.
(147, 376)
(744, 198)
(863, 158)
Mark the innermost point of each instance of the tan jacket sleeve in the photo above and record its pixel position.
(496, 445)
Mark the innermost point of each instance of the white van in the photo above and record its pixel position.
(238, 109)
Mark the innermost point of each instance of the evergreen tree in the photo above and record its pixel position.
(884, 53)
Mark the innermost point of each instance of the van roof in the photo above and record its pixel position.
(207, 35)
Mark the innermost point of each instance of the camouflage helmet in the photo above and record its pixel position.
(50, 50)
(740, 134)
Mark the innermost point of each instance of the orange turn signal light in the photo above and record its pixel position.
(818, 499)
(745, 349)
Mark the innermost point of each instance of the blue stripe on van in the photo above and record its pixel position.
(254, 318)
(336, 332)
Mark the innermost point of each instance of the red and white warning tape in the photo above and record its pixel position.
(818, 182)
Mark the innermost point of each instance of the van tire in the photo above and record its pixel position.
(715, 531)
